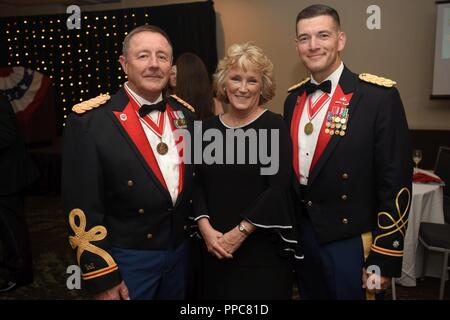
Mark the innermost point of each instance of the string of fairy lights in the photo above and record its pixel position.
(81, 62)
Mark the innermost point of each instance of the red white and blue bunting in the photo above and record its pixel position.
(25, 88)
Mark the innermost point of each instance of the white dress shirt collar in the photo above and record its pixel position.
(140, 99)
(334, 78)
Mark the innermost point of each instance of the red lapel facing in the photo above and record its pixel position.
(324, 138)
(295, 122)
(131, 123)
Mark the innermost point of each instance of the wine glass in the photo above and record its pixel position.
(417, 157)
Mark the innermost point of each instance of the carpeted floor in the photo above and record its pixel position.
(52, 255)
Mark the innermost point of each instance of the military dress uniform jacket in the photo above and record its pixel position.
(360, 180)
(114, 194)
(16, 167)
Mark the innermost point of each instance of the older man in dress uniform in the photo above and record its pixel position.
(126, 190)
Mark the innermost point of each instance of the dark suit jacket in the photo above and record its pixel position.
(16, 168)
(362, 181)
(110, 187)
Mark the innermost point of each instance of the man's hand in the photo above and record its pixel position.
(374, 283)
(119, 292)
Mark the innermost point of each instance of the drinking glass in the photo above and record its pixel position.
(417, 157)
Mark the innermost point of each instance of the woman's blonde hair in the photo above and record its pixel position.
(245, 56)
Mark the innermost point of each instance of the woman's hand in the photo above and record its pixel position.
(211, 237)
(232, 240)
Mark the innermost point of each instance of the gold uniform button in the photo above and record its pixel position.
(345, 176)
(141, 211)
(149, 236)
(344, 197)
(345, 221)
(309, 204)
(130, 183)
(193, 174)
(190, 201)
(185, 228)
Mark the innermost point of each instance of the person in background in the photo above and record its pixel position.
(352, 159)
(192, 83)
(245, 216)
(17, 171)
(172, 83)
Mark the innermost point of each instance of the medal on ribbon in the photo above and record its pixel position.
(162, 148)
(337, 116)
(337, 120)
(179, 121)
(313, 110)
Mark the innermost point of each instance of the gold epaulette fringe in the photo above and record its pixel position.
(184, 103)
(90, 104)
(298, 85)
(383, 82)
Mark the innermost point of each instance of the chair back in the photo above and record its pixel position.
(442, 168)
(447, 209)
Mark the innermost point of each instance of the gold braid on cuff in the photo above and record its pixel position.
(398, 225)
(82, 242)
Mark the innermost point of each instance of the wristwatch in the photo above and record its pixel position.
(242, 229)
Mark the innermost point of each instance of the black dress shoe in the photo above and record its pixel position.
(11, 285)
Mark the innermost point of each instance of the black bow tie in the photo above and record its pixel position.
(324, 86)
(147, 108)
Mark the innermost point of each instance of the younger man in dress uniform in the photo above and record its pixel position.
(352, 159)
(126, 192)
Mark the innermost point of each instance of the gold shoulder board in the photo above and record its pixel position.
(90, 104)
(184, 103)
(383, 82)
(298, 85)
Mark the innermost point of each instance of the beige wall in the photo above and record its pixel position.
(402, 50)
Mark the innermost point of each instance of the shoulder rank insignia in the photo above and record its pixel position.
(184, 103)
(383, 82)
(90, 104)
(298, 85)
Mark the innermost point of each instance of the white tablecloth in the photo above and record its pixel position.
(426, 206)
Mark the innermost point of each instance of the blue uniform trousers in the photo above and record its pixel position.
(332, 270)
(153, 274)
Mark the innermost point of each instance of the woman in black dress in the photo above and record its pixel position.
(242, 204)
